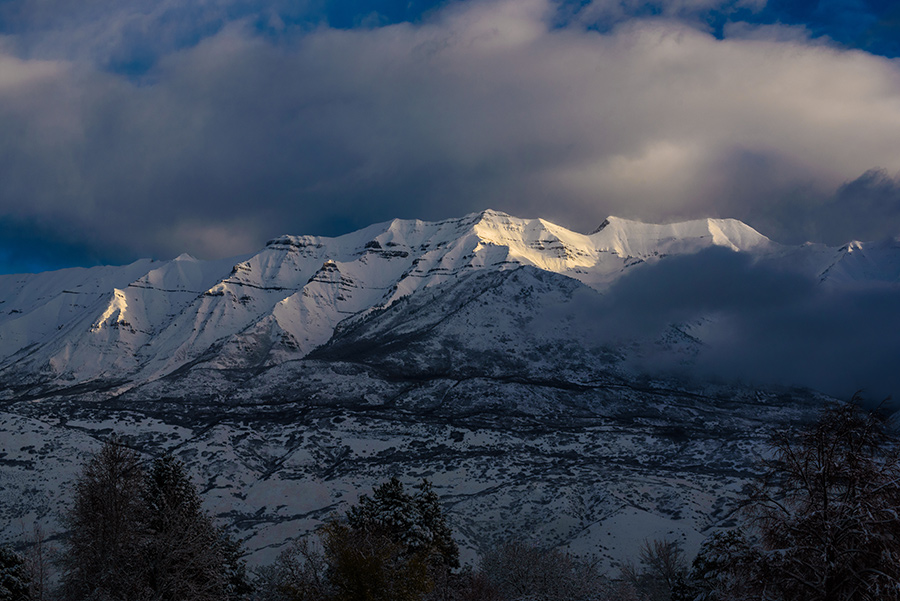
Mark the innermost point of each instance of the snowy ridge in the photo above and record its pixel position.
(634, 239)
(145, 320)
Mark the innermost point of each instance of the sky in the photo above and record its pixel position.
(149, 128)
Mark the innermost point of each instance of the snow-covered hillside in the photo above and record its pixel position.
(500, 357)
(142, 321)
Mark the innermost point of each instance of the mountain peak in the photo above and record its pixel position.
(630, 238)
(493, 214)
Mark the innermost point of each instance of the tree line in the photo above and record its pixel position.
(821, 524)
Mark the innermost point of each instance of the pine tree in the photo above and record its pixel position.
(393, 546)
(415, 521)
(435, 523)
(237, 582)
(187, 556)
(14, 580)
(104, 558)
(137, 535)
(727, 561)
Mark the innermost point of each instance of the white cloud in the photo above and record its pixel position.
(483, 105)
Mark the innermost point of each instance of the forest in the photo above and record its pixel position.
(820, 523)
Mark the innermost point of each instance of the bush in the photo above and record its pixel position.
(366, 565)
(521, 571)
(298, 574)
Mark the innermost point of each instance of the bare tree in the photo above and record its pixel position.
(38, 561)
(521, 571)
(662, 569)
(298, 574)
(144, 536)
(825, 523)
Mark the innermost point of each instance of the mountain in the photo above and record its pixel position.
(503, 358)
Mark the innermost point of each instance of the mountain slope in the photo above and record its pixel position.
(503, 358)
(145, 320)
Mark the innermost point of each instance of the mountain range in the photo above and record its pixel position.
(573, 388)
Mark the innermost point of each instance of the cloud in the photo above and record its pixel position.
(837, 341)
(311, 129)
(870, 204)
(760, 323)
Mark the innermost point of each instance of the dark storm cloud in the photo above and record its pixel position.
(769, 192)
(682, 288)
(760, 323)
(838, 341)
(870, 205)
(865, 208)
(248, 120)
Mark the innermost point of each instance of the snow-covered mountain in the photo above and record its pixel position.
(142, 321)
(485, 352)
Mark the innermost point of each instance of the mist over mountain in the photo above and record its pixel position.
(580, 386)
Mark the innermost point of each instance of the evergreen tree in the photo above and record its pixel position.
(237, 581)
(14, 580)
(104, 557)
(414, 521)
(137, 535)
(726, 561)
(394, 546)
(187, 556)
(435, 523)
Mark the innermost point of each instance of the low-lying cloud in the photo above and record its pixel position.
(222, 140)
(759, 323)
